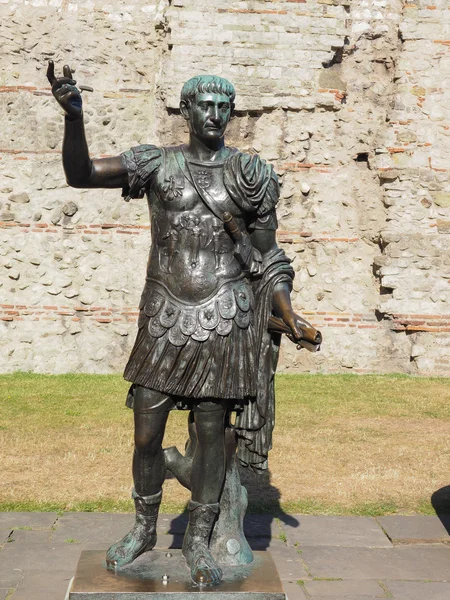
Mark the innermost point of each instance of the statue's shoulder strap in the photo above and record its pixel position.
(205, 196)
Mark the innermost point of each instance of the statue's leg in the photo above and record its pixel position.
(208, 471)
(148, 474)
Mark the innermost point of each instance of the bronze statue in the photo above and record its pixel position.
(215, 276)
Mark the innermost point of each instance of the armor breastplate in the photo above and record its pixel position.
(192, 256)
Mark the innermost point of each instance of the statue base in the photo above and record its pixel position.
(163, 575)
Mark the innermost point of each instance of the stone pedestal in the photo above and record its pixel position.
(163, 575)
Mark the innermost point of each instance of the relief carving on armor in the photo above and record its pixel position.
(188, 233)
(173, 188)
(203, 178)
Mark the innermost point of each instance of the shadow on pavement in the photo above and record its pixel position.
(440, 501)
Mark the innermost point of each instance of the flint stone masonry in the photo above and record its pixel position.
(348, 101)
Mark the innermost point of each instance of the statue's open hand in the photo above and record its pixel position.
(65, 91)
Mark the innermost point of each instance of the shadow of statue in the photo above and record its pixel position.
(440, 501)
(265, 516)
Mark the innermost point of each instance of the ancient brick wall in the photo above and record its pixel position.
(349, 100)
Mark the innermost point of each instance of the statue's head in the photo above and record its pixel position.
(207, 103)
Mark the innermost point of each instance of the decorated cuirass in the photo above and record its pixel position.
(194, 282)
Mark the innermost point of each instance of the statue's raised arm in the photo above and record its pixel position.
(80, 170)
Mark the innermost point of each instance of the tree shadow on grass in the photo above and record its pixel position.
(440, 501)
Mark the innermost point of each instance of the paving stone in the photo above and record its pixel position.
(44, 585)
(337, 531)
(35, 520)
(288, 561)
(408, 590)
(93, 531)
(293, 590)
(33, 551)
(331, 589)
(409, 562)
(403, 529)
(10, 577)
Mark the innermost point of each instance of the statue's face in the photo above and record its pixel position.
(209, 115)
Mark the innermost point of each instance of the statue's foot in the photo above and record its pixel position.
(125, 551)
(204, 569)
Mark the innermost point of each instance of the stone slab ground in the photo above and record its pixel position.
(318, 557)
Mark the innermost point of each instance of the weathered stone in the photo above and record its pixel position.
(305, 188)
(33, 550)
(410, 563)
(331, 78)
(288, 560)
(441, 199)
(408, 590)
(337, 531)
(6, 214)
(44, 584)
(87, 296)
(69, 209)
(417, 529)
(90, 530)
(331, 589)
(22, 198)
(443, 226)
(33, 520)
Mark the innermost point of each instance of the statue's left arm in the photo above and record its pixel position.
(264, 240)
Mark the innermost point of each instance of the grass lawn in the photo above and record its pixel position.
(343, 444)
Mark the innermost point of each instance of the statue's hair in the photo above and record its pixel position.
(202, 84)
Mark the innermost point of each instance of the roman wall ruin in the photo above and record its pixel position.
(349, 100)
